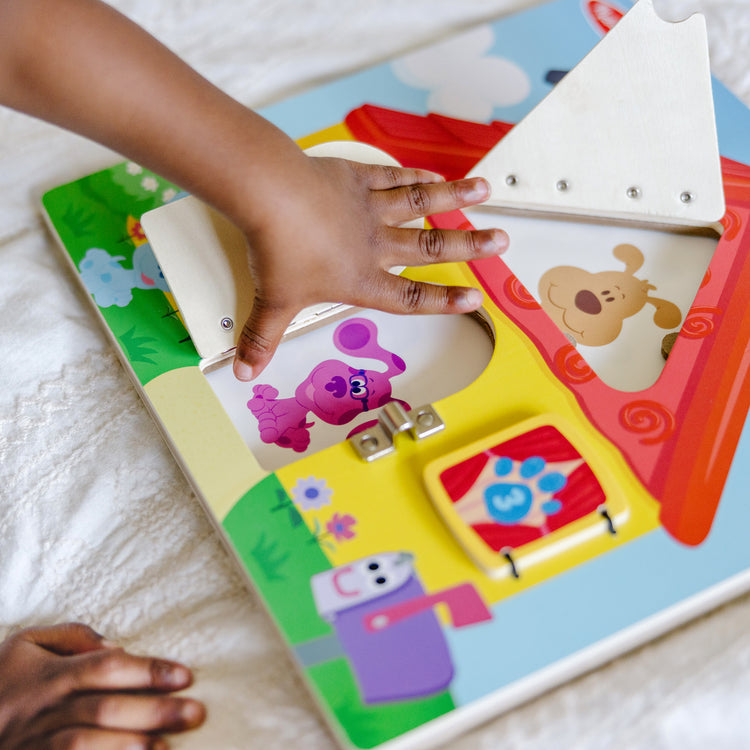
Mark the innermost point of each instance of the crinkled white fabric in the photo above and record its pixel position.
(96, 521)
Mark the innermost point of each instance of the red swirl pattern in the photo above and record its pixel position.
(650, 419)
(571, 366)
(517, 293)
(699, 322)
(732, 224)
(706, 278)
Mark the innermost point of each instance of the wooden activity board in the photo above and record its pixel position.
(446, 516)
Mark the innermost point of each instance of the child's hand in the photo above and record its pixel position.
(330, 233)
(64, 687)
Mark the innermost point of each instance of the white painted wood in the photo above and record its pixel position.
(628, 134)
(203, 257)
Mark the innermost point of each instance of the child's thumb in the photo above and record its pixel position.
(259, 339)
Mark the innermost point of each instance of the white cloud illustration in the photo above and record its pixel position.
(463, 80)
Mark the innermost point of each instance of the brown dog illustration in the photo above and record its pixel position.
(590, 307)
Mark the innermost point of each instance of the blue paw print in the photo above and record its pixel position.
(509, 502)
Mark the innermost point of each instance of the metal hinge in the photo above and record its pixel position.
(377, 441)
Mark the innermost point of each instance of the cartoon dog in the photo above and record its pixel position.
(591, 307)
(333, 391)
(111, 283)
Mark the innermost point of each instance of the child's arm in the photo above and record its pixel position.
(319, 229)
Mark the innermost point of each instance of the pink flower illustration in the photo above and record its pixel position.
(340, 527)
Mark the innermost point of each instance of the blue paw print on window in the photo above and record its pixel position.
(509, 502)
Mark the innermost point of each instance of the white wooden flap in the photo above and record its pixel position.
(629, 133)
(204, 259)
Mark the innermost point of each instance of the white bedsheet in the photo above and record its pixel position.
(96, 521)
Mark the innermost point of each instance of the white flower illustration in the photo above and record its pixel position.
(132, 168)
(150, 183)
(311, 493)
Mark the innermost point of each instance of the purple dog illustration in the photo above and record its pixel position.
(334, 391)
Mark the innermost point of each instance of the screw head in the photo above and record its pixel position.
(633, 192)
(511, 180)
(227, 324)
(687, 197)
(562, 185)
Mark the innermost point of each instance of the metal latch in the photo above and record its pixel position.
(377, 441)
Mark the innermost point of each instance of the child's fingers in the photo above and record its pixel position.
(259, 339)
(98, 739)
(405, 296)
(414, 201)
(114, 669)
(128, 713)
(66, 639)
(419, 247)
(381, 177)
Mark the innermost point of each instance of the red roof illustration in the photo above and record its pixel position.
(435, 142)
